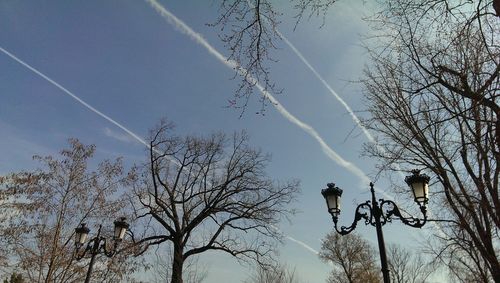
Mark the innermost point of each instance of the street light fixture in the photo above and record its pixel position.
(419, 185)
(98, 244)
(332, 196)
(81, 234)
(373, 211)
(121, 227)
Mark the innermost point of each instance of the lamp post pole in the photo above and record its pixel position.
(94, 251)
(380, 236)
(373, 212)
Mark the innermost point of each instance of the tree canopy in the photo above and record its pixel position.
(432, 93)
(208, 194)
(42, 207)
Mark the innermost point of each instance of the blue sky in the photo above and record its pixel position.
(124, 59)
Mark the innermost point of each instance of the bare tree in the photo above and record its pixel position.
(432, 91)
(463, 263)
(209, 194)
(14, 278)
(354, 260)
(352, 257)
(41, 209)
(407, 268)
(273, 274)
(193, 271)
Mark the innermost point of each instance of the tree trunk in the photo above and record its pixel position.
(495, 272)
(177, 263)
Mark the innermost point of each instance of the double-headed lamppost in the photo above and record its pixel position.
(373, 211)
(98, 244)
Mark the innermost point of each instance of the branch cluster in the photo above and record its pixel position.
(201, 194)
(432, 92)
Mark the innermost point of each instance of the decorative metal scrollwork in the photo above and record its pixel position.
(393, 210)
(367, 212)
(363, 211)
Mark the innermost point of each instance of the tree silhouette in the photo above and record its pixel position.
(208, 194)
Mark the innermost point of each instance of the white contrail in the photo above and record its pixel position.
(72, 95)
(79, 100)
(304, 245)
(330, 89)
(184, 28)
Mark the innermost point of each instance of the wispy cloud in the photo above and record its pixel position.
(75, 97)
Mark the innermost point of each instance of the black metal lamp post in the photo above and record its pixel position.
(374, 214)
(98, 244)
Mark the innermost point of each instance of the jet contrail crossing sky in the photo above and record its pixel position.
(72, 95)
(198, 38)
(330, 89)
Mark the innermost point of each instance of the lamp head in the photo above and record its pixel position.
(81, 234)
(121, 226)
(419, 184)
(332, 196)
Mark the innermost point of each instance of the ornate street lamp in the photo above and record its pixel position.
(378, 213)
(98, 244)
